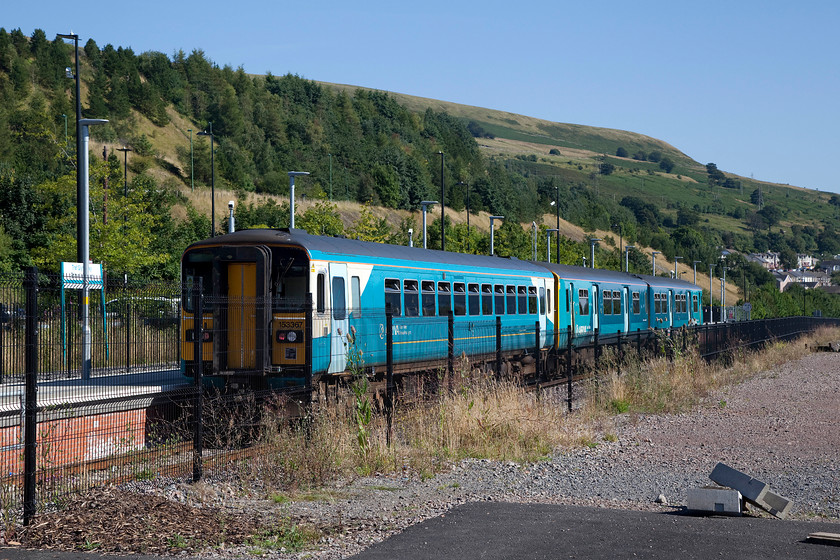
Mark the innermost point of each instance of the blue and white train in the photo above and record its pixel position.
(282, 305)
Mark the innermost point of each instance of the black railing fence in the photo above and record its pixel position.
(131, 413)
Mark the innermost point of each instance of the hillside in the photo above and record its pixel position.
(372, 157)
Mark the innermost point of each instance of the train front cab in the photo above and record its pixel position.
(254, 315)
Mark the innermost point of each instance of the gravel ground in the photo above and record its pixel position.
(779, 427)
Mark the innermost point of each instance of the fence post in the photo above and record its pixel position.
(198, 347)
(30, 414)
(498, 347)
(450, 350)
(569, 367)
(2, 328)
(389, 372)
(537, 356)
(127, 324)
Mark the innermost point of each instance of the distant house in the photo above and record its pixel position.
(768, 260)
(805, 261)
(805, 278)
(830, 266)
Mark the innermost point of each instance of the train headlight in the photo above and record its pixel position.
(292, 336)
(289, 336)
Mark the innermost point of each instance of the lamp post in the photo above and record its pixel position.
(231, 219)
(79, 208)
(723, 295)
(627, 257)
(84, 240)
(653, 257)
(556, 205)
(292, 175)
(209, 133)
(592, 242)
(125, 150)
(425, 205)
(676, 275)
(695, 272)
(711, 299)
(534, 228)
(65, 129)
(468, 212)
(442, 206)
(492, 232)
(548, 233)
(192, 164)
(410, 237)
(620, 239)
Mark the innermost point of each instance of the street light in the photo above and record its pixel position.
(534, 228)
(556, 204)
(231, 219)
(292, 175)
(653, 257)
(84, 240)
(192, 164)
(627, 257)
(410, 237)
(695, 272)
(125, 150)
(620, 238)
(492, 240)
(209, 133)
(65, 129)
(442, 205)
(711, 299)
(548, 233)
(425, 205)
(677, 276)
(468, 212)
(330, 156)
(79, 208)
(592, 242)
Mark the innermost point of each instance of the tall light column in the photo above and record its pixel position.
(695, 272)
(442, 206)
(627, 257)
(425, 205)
(653, 257)
(192, 164)
(592, 242)
(79, 208)
(676, 275)
(711, 276)
(492, 234)
(292, 175)
(84, 240)
(548, 233)
(209, 132)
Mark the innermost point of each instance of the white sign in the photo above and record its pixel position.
(72, 275)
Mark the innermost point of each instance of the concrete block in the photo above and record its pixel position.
(753, 490)
(724, 501)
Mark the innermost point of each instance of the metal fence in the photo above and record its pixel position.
(131, 413)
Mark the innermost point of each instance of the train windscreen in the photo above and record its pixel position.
(197, 264)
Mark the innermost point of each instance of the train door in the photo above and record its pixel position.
(625, 308)
(570, 306)
(241, 315)
(339, 318)
(596, 307)
(671, 303)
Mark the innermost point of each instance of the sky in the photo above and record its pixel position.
(751, 86)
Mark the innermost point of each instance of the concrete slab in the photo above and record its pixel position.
(720, 501)
(753, 490)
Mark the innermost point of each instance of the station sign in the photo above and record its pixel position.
(72, 276)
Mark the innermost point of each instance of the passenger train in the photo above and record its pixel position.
(283, 307)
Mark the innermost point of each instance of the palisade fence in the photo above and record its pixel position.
(131, 414)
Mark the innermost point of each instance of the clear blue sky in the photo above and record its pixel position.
(752, 86)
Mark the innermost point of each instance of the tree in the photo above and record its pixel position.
(321, 219)
(370, 228)
(666, 164)
(621, 152)
(606, 168)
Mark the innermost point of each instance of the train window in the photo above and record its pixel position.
(339, 302)
(511, 299)
(444, 299)
(474, 298)
(411, 296)
(532, 300)
(583, 301)
(542, 300)
(696, 304)
(460, 297)
(499, 297)
(657, 303)
(636, 303)
(607, 302)
(548, 300)
(616, 303)
(522, 298)
(428, 298)
(392, 296)
(486, 299)
(664, 303)
(321, 294)
(355, 296)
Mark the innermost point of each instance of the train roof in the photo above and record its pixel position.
(318, 246)
(578, 272)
